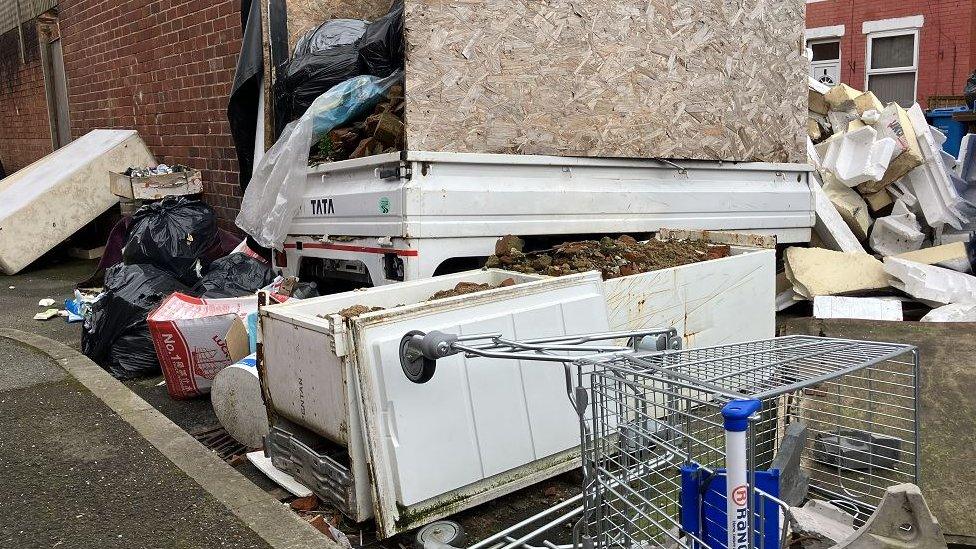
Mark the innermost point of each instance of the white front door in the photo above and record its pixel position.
(825, 65)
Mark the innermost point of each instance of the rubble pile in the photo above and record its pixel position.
(381, 131)
(615, 258)
(463, 288)
(895, 213)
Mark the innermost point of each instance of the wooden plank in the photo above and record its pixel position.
(692, 79)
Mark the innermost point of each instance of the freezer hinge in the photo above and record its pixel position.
(337, 327)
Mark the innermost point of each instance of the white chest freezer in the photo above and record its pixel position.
(414, 453)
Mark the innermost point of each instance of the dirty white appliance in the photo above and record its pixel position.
(344, 413)
(714, 302)
(411, 215)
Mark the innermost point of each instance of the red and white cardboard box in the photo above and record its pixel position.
(196, 338)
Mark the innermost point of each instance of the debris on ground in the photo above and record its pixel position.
(307, 503)
(623, 256)
(463, 288)
(46, 314)
(890, 195)
(820, 525)
(46, 302)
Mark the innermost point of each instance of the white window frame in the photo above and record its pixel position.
(868, 71)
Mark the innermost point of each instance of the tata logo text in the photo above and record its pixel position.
(322, 206)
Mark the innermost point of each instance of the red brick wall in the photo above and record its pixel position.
(947, 53)
(165, 68)
(25, 134)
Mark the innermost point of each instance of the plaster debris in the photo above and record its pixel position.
(815, 271)
(933, 285)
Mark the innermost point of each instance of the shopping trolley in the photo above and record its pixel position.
(677, 444)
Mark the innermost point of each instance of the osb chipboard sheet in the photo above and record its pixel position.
(308, 14)
(705, 79)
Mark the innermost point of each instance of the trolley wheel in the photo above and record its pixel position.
(419, 369)
(442, 532)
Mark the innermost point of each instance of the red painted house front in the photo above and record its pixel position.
(903, 50)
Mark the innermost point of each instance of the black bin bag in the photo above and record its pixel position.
(172, 234)
(115, 335)
(235, 275)
(381, 47)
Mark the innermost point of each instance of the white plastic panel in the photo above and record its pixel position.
(726, 300)
(482, 423)
(476, 418)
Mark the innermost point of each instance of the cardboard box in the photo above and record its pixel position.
(197, 338)
(155, 187)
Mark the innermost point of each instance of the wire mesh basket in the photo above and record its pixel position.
(659, 428)
(657, 418)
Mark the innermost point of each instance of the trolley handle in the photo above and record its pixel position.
(420, 351)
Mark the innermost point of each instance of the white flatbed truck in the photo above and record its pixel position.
(411, 215)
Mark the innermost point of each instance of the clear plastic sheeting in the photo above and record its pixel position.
(272, 198)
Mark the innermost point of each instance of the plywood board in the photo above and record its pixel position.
(703, 79)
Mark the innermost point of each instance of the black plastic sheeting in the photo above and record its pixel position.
(116, 335)
(242, 107)
(381, 48)
(328, 35)
(172, 234)
(334, 52)
(236, 275)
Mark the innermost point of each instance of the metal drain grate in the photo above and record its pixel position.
(219, 441)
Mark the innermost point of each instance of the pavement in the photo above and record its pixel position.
(56, 279)
(89, 462)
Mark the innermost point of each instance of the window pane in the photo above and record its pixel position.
(825, 51)
(893, 51)
(899, 87)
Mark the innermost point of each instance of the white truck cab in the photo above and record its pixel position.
(411, 215)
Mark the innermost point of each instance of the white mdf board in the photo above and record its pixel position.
(51, 199)
(714, 302)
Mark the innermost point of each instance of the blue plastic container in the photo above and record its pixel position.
(953, 129)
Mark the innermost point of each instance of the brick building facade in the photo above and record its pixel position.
(162, 67)
(907, 50)
(24, 131)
